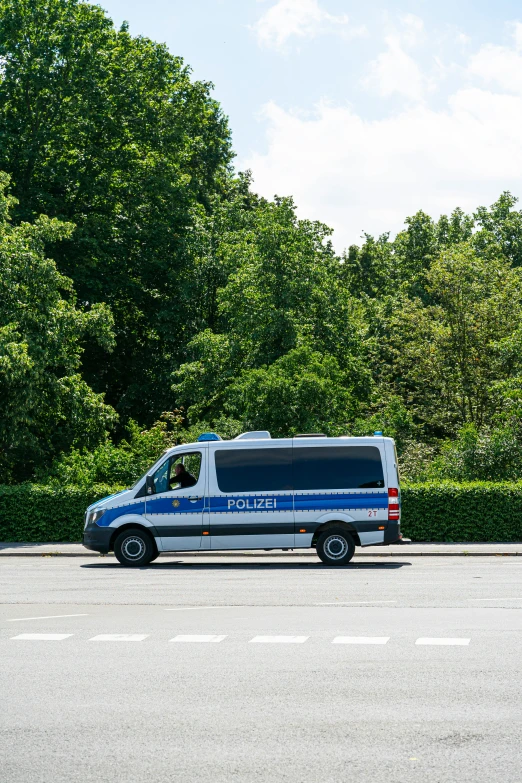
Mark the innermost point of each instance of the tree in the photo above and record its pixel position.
(109, 132)
(500, 229)
(302, 391)
(446, 359)
(284, 291)
(369, 270)
(414, 250)
(47, 406)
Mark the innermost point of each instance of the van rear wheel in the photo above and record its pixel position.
(134, 547)
(335, 546)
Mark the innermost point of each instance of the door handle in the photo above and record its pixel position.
(193, 498)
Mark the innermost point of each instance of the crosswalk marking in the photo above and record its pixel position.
(279, 639)
(361, 640)
(43, 637)
(440, 641)
(119, 637)
(198, 638)
(443, 641)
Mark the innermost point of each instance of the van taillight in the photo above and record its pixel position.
(394, 511)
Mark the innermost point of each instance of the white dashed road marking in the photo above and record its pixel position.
(196, 638)
(443, 641)
(279, 639)
(349, 603)
(190, 608)
(119, 637)
(43, 637)
(44, 617)
(215, 638)
(361, 640)
(494, 599)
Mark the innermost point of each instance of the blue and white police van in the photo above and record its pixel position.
(255, 492)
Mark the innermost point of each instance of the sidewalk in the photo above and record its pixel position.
(397, 550)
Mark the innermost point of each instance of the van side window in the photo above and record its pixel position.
(338, 467)
(187, 474)
(254, 470)
(167, 478)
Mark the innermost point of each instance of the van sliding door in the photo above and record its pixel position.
(251, 502)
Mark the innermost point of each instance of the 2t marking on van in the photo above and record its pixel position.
(253, 503)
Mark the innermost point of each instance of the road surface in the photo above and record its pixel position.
(387, 670)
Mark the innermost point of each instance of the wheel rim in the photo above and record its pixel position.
(336, 547)
(133, 548)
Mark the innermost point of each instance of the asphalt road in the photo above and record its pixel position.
(275, 671)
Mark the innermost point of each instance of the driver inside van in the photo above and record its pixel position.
(182, 478)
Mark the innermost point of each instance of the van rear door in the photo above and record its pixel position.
(338, 480)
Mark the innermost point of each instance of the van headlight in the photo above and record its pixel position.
(95, 515)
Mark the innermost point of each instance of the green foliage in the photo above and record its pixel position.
(487, 455)
(303, 391)
(394, 420)
(35, 512)
(284, 296)
(110, 464)
(108, 131)
(430, 512)
(139, 274)
(445, 358)
(47, 405)
(500, 227)
(462, 512)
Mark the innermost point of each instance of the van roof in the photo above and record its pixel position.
(302, 440)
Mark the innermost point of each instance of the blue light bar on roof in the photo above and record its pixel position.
(209, 436)
(377, 433)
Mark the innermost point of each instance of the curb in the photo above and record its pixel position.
(228, 554)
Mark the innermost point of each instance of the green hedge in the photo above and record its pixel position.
(430, 512)
(37, 512)
(476, 511)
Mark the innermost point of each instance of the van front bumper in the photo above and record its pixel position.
(97, 539)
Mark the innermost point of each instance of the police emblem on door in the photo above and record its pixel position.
(175, 503)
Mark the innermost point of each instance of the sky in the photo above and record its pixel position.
(363, 112)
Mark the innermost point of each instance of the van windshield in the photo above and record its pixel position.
(147, 472)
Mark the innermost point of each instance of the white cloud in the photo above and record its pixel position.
(412, 32)
(395, 71)
(359, 175)
(500, 66)
(367, 175)
(300, 18)
(463, 39)
(517, 34)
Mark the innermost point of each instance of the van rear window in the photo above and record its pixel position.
(254, 470)
(338, 467)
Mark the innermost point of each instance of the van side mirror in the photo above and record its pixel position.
(149, 483)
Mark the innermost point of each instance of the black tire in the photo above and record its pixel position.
(335, 546)
(135, 547)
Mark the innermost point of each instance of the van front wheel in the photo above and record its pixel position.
(335, 547)
(134, 547)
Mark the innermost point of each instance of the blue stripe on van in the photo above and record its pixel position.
(249, 504)
(113, 513)
(175, 505)
(331, 502)
(310, 502)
